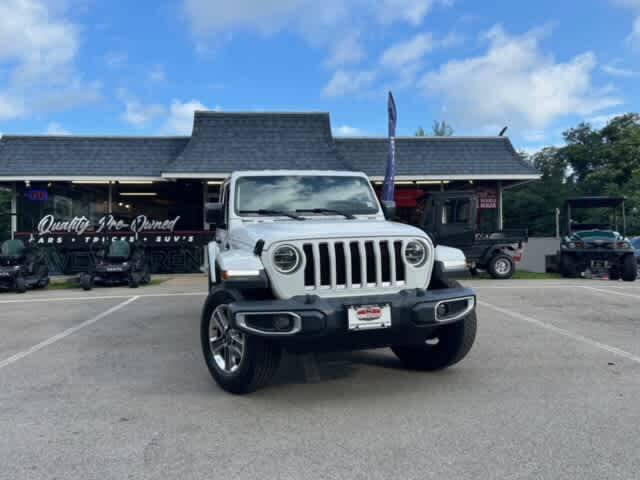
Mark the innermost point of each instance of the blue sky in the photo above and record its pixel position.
(141, 68)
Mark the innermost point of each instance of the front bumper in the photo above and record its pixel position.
(321, 324)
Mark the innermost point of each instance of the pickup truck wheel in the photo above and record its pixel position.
(501, 266)
(629, 268)
(21, 284)
(568, 267)
(452, 345)
(238, 362)
(86, 282)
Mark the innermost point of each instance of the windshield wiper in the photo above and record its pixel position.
(326, 211)
(272, 212)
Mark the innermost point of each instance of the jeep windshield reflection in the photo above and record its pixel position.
(305, 195)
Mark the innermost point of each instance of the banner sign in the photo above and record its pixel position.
(37, 195)
(487, 199)
(80, 231)
(388, 189)
(80, 225)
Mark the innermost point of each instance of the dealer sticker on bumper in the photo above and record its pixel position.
(368, 317)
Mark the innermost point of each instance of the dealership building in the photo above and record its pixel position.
(70, 192)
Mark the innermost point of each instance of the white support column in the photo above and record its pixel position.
(14, 210)
(500, 219)
(205, 199)
(110, 205)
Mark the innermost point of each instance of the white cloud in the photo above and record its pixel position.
(634, 37)
(10, 107)
(140, 115)
(411, 11)
(348, 131)
(515, 82)
(600, 121)
(615, 70)
(157, 74)
(407, 52)
(180, 121)
(32, 37)
(54, 128)
(336, 25)
(345, 82)
(38, 47)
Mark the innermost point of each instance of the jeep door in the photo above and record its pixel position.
(455, 220)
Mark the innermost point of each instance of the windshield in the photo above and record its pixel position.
(597, 234)
(350, 195)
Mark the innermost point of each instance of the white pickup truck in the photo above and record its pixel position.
(309, 261)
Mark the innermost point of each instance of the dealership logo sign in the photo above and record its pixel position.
(48, 225)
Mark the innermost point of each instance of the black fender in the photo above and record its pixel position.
(495, 249)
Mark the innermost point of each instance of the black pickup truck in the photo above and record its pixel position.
(451, 218)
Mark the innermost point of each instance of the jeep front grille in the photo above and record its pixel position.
(353, 264)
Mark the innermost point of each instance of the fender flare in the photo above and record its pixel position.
(494, 250)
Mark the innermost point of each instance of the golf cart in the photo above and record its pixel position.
(118, 263)
(592, 248)
(22, 267)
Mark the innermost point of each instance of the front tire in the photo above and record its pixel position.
(21, 284)
(501, 266)
(568, 267)
(454, 342)
(629, 268)
(239, 363)
(86, 282)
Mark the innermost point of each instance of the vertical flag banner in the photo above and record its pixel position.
(388, 190)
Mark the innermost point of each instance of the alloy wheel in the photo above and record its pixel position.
(226, 343)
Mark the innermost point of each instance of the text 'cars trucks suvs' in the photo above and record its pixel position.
(309, 261)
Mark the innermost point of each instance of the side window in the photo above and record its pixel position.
(456, 210)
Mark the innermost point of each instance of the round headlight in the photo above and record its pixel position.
(415, 253)
(286, 259)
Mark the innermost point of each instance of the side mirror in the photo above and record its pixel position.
(389, 209)
(214, 213)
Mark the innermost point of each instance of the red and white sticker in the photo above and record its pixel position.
(369, 312)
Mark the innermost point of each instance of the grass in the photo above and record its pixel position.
(73, 284)
(524, 275)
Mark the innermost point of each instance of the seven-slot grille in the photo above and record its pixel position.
(354, 264)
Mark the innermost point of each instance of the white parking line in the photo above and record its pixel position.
(612, 292)
(562, 331)
(66, 333)
(102, 297)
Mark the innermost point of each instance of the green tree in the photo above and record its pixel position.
(441, 129)
(420, 132)
(593, 162)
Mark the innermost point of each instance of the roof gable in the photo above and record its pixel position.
(223, 142)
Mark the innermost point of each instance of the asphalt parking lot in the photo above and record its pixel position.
(112, 384)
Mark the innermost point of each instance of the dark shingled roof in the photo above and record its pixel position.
(223, 142)
(54, 156)
(426, 156)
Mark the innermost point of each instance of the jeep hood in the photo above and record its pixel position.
(277, 231)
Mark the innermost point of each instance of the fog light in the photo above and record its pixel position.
(442, 310)
(283, 323)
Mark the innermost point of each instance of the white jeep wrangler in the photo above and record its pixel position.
(306, 261)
